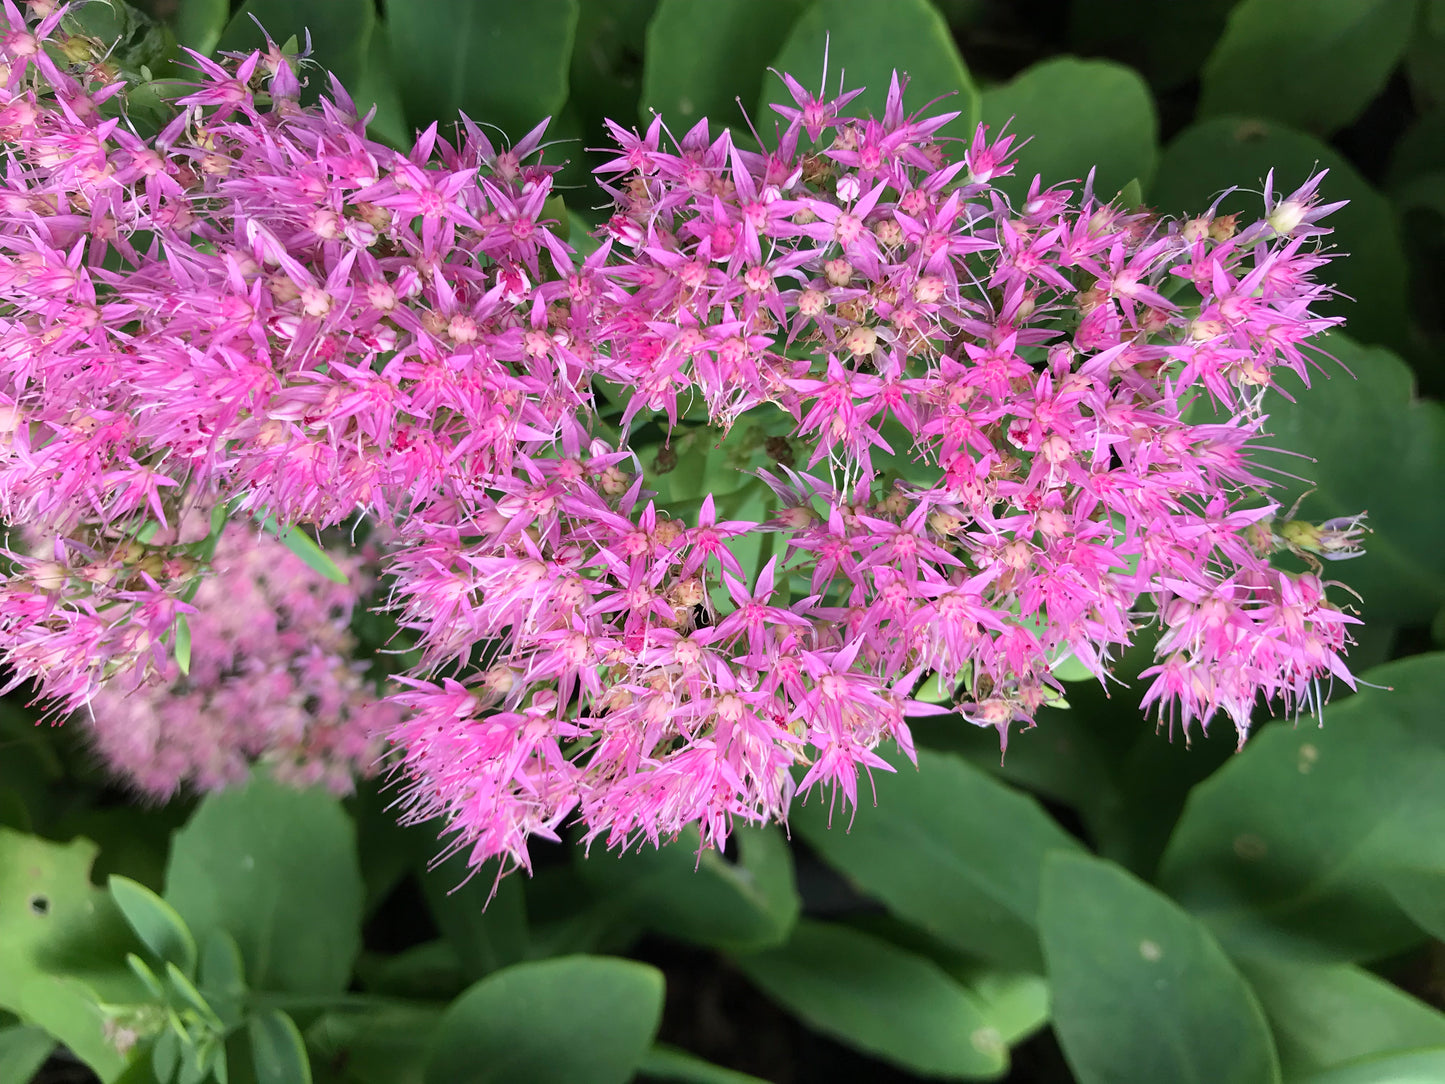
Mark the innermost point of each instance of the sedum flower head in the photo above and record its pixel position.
(270, 679)
(958, 424)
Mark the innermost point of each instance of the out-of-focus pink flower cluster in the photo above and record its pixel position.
(271, 679)
(264, 310)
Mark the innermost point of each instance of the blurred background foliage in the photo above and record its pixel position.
(1106, 904)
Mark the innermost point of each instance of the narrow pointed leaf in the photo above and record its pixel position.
(155, 922)
(304, 546)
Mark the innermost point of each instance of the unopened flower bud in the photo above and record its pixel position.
(928, 289)
(797, 517)
(283, 289)
(861, 341)
(614, 482)
(838, 271)
(1222, 228)
(380, 295)
(812, 302)
(77, 49)
(315, 301)
(462, 329)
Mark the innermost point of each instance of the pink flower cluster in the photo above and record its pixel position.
(271, 680)
(261, 311)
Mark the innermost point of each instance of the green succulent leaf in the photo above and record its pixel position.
(1286, 850)
(340, 33)
(702, 897)
(278, 1052)
(1413, 1067)
(63, 946)
(1314, 64)
(1079, 115)
(868, 41)
(387, 1045)
(880, 998)
(1323, 1015)
(684, 83)
(499, 62)
(306, 548)
(275, 868)
(155, 922)
(485, 922)
(200, 23)
(569, 1020)
(948, 848)
(23, 1050)
(1141, 990)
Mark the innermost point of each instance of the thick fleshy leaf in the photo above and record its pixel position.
(605, 79)
(1376, 448)
(1209, 157)
(383, 1046)
(867, 41)
(63, 944)
(426, 971)
(222, 976)
(276, 868)
(23, 1050)
(1326, 1014)
(1141, 990)
(485, 922)
(1167, 42)
(1420, 893)
(880, 998)
(155, 922)
(703, 56)
(1080, 114)
(340, 33)
(377, 88)
(497, 61)
(678, 1066)
(1015, 1003)
(199, 23)
(570, 1020)
(1420, 151)
(750, 904)
(948, 848)
(1414, 1067)
(1314, 64)
(1285, 849)
(278, 1052)
(1425, 63)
